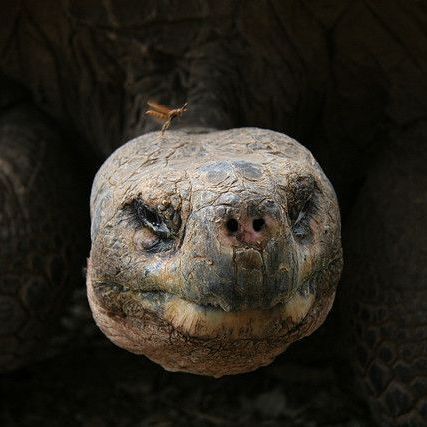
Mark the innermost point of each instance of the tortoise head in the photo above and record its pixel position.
(212, 252)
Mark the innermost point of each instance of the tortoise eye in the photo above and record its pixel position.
(301, 204)
(150, 218)
(145, 214)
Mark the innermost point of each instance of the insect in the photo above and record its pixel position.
(165, 114)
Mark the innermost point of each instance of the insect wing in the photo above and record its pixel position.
(158, 117)
(159, 107)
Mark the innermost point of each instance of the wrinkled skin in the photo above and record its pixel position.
(345, 78)
(201, 293)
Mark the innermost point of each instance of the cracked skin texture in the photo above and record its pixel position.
(206, 298)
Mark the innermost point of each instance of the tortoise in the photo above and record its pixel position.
(182, 285)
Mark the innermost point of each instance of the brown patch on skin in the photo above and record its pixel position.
(212, 297)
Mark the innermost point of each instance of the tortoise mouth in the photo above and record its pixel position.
(206, 320)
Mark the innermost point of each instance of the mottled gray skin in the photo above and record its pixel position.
(206, 298)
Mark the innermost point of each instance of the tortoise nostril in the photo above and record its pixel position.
(232, 225)
(258, 224)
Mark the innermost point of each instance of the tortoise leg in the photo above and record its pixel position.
(385, 285)
(41, 232)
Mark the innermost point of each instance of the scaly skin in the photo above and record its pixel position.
(208, 299)
(41, 228)
(387, 318)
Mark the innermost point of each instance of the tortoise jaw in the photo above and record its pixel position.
(184, 336)
(204, 320)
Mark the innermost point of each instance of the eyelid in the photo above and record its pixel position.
(146, 239)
